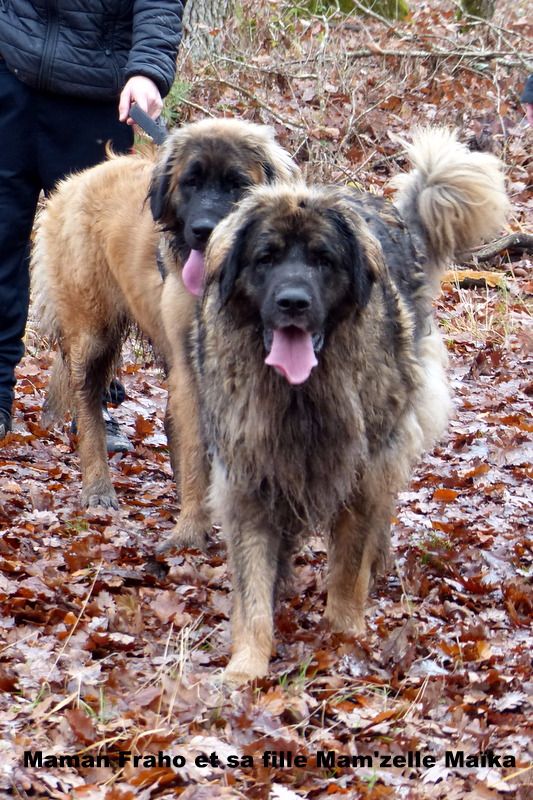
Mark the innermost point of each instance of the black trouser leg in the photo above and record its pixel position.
(43, 137)
(19, 192)
(75, 132)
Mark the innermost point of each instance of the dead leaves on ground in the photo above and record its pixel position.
(106, 650)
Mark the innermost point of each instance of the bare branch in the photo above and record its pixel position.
(291, 124)
(514, 242)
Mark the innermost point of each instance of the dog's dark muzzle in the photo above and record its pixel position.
(200, 229)
(203, 215)
(293, 322)
(293, 302)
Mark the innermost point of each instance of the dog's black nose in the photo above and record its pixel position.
(202, 229)
(294, 300)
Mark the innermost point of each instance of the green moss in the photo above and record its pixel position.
(172, 109)
(389, 9)
(478, 8)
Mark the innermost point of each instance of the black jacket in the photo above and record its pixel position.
(90, 48)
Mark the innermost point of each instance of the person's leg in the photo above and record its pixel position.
(19, 192)
(73, 135)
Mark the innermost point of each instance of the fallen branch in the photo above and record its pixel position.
(470, 279)
(513, 242)
(476, 55)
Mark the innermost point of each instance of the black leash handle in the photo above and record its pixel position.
(156, 129)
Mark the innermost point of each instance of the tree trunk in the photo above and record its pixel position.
(203, 22)
(479, 8)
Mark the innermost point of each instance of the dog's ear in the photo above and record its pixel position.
(164, 177)
(269, 172)
(159, 194)
(230, 269)
(276, 162)
(233, 263)
(279, 166)
(361, 274)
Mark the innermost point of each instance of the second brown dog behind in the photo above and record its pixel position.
(95, 270)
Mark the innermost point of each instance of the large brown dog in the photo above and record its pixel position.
(95, 269)
(322, 373)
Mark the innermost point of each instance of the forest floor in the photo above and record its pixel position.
(106, 650)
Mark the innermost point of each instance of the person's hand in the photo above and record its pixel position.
(529, 112)
(144, 92)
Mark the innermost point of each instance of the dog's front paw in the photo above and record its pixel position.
(244, 667)
(95, 496)
(346, 620)
(187, 532)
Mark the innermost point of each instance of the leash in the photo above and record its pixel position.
(156, 129)
(158, 132)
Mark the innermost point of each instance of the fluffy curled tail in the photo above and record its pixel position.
(457, 196)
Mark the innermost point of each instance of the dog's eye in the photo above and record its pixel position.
(324, 262)
(237, 183)
(190, 182)
(264, 260)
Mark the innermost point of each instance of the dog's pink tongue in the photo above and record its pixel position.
(193, 273)
(292, 354)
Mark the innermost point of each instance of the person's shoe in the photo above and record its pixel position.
(116, 441)
(5, 423)
(116, 393)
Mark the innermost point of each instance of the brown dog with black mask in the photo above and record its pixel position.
(322, 372)
(123, 242)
